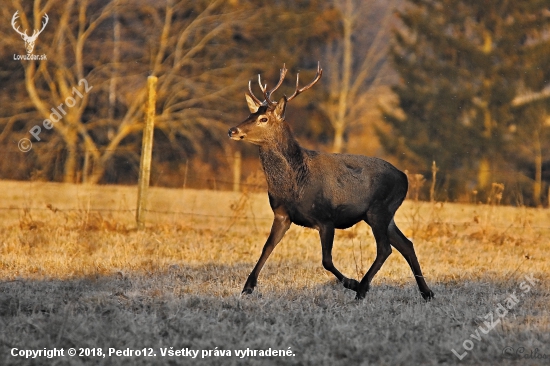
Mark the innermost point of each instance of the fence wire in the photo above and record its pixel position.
(252, 218)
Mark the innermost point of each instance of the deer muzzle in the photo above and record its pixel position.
(236, 134)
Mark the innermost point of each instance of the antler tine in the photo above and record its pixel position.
(298, 91)
(262, 87)
(14, 18)
(46, 18)
(264, 90)
(44, 22)
(281, 78)
(252, 94)
(267, 94)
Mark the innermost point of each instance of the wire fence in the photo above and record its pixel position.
(46, 200)
(133, 212)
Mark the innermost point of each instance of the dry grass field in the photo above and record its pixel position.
(75, 273)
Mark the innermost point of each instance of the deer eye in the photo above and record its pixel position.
(263, 119)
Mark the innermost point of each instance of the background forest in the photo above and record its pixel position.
(463, 83)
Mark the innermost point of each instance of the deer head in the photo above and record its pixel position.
(266, 117)
(29, 41)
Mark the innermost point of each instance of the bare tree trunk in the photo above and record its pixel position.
(340, 123)
(86, 166)
(97, 173)
(70, 162)
(484, 172)
(338, 143)
(351, 80)
(114, 74)
(537, 184)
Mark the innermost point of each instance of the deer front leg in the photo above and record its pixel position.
(327, 239)
(281, 223)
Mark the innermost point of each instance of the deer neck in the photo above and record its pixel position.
(285, 166)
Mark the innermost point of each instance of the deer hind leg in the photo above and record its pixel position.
(281, 223)
(406, 248)
(326, 233)
(379, 223)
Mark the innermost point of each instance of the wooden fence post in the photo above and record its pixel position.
(237, 171)
(146, 151)
(432, 188)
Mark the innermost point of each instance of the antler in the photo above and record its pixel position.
(298, 91)
(267, 94)
(252, 94)
(13, 19)
(36, 32)
(24, 34)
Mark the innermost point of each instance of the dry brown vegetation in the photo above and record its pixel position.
(74, 272)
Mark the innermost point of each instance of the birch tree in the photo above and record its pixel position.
(355, 62)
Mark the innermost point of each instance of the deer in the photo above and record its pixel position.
(323, 191)
(29, 41)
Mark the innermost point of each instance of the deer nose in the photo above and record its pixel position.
(235, 133)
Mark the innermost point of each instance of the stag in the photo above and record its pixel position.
(29, 41)
(324, 191)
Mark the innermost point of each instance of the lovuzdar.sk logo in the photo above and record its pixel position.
(29, 40)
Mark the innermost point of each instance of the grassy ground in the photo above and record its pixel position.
(74, 273)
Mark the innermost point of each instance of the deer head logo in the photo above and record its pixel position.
(29, 41)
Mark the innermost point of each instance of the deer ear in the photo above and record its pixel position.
(252, 104)
(280, 109)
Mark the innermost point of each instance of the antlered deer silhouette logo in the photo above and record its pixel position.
(29, 41)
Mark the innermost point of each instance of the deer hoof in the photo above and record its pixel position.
(351, 284)
(247, 291)
(427, 295)
(361, 292)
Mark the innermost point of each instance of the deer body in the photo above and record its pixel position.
(325, 192)
(315, 188)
